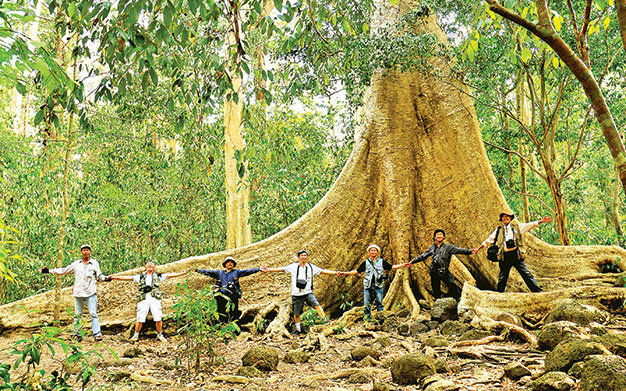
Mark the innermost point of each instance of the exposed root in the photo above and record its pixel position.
(351, 317)
(278, 326)
(345, 373)
(487, 323)
(407, 346)
(483, 341)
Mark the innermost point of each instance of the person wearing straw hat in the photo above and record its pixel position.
(441, 254)
(149, 297)
(229, 289)
(374, 268)
(86, 272)
(508, 238)
(302, 273)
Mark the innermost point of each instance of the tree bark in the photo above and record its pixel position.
(237, 181)
(419, 164)
(522, 114)
(621, 16)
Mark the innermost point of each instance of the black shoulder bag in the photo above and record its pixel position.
(493, 250)
(300, 283)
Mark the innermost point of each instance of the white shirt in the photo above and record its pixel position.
(306, 272)
(137, 277)
(85, 276)
(508, 232)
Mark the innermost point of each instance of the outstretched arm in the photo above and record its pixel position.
(461, 250)
(350, 273)
(121, 278)
(272, 270)
(172, 275)
(330, 272)
(247, 272)
(208, 272)
(422, 257)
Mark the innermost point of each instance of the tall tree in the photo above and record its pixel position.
(419, 165)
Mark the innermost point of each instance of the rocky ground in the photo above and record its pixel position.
(576, 348)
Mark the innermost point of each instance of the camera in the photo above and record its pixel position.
(510, 243)
(147, 289)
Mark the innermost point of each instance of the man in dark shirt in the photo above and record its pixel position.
(228, 283)
(374, 268)
(441, 253)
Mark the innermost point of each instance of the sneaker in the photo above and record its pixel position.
(297, 332)
(98, 337)
(135, 337)
(77, 337)
(160, 337)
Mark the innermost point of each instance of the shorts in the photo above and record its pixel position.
(153, 305)
(297, 302)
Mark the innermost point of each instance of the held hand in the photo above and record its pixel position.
(108, 278)
(190, 269)
(264, 269)
(408, 264)
(340, 274)
(546, 219)
(44, 270)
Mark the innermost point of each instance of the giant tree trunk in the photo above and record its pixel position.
(419, 165)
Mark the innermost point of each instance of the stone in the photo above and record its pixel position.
(404, 329)
(249, 372)
(121, 362)
(368, 362)
(442, 385)
(578, 313)
(132, 352)
(553, 381)
(418, 328)
(444, 309)
(567, 353)
(606, 373)
(383, 340)
(380, 316)
(390, 324)
(576, 370)
(515, 370)
(429, 351)
(382, 386)
(597, 329)
(475, 335)
(162, 364)
(456, 368)
(360, 352)
(411, 368)
(554, 333)
(359, 378)
(432, 324)
(296, 357)
(117, 376)
(142, 378)
(509, 318)
(436, 342)
(616, 343)
(453, 327)
(441, 365)
(403, 313)
(261, 357)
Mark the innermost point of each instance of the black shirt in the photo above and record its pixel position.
(441, 255)
(361, 268)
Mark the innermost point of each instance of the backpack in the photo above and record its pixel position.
(493, 250)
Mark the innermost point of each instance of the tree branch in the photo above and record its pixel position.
(518, 155)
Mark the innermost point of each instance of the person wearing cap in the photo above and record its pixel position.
(86, 272)
(508, 238)
(373, 281)
(149, 297)
(441, 254)
(302, 273)
(229, 289)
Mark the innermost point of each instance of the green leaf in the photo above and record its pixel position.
(526, 55)
(167, 16)
(279, 5)
(153, 76)
(555, 62)
(601, 4)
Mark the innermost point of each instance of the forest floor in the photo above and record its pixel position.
(152, 364)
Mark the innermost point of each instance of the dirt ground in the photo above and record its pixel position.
(156, 362)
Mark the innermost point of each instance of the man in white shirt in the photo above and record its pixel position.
(508, 238)
(149, 297)
(302, 274)
(86, 272)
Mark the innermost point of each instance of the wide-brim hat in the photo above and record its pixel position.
(373, 246)
(511, 215)
(229, 259)
(85, 246)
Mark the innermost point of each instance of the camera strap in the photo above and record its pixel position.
(306, 274)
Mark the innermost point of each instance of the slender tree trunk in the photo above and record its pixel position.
(546, 32)
(559, 206)
(522, 115)
(621, 15)
(614, 216)
(237, 179)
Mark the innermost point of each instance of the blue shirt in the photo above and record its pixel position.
(225, 278)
